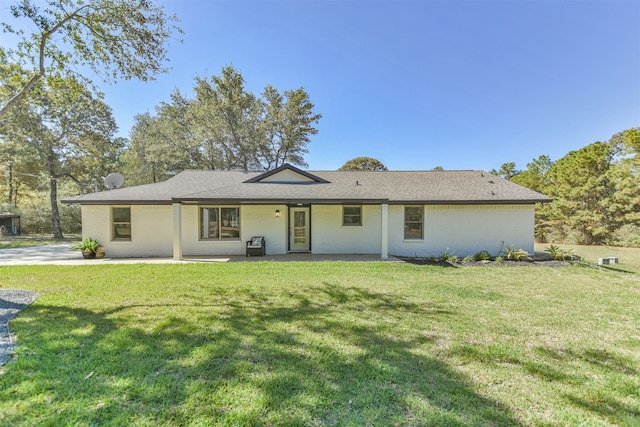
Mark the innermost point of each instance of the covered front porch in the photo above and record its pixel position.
(324, 232)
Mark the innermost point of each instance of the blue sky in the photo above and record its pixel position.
(419, 84)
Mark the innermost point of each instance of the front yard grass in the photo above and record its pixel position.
(325, 343)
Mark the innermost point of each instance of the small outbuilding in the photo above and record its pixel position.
(10, 225)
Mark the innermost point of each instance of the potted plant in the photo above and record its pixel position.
(100, 252)
(88, 247)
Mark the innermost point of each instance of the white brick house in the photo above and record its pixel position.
(410, 213)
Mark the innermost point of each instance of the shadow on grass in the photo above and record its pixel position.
(576, 369)
(324, 356)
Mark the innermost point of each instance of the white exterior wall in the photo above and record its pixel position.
(255, 220)
(329, 236)
(151, 230)
(461, 230)
(464, 230)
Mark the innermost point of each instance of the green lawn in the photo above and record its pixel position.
(326, 343)
(629, 257)
(7, 242)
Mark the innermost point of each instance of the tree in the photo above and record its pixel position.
(363, 164)
(582, 187)
(15, 158)
(70, 134)
(535, 176)
(166, 143)
(228, 118)
(631, 141)
(288, 126)
(507, 171)
(223, 127)
(595, 191)
(115, 38)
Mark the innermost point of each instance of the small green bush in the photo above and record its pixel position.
(449, 257)
(482, 256)
(514, 254)
(558, 253)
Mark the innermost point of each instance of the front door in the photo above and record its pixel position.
(299, 227)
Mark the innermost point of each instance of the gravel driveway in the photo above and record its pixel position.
(11, 302)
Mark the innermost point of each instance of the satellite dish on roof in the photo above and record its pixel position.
(113, 181)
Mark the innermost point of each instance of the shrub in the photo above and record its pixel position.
(628, 236)
(514, 254)
(558, 253)
(482, 256)
(449, 257)
(468, 258)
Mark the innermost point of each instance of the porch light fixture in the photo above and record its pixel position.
(277, 213)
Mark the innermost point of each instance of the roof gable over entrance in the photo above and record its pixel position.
(287, 174)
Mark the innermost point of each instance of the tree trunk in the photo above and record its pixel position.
(15, 194)
(10, 182)
(55, 212)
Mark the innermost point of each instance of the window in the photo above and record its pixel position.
(413, 222)
(218, 223)
(121, 223)
(351, 215)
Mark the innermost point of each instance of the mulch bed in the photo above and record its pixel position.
(537, 261)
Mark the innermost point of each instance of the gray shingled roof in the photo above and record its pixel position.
(399, 187)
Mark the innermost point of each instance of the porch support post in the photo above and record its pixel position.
(177, 231)
(384, 232)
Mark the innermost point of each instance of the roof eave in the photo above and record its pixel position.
(115, 202)
(471, 202)
(285, 201)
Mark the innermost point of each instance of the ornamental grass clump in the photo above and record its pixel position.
(513, 254)
(559, 254)
(449, 257)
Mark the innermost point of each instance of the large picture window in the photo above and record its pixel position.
(220, 223)
(352, 215)
(121, 223)
(413, 219)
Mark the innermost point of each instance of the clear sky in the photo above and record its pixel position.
(418, 84)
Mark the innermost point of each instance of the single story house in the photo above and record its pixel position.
(404, 213)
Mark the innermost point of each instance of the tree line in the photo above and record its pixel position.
(595, 191)
(222, 127)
